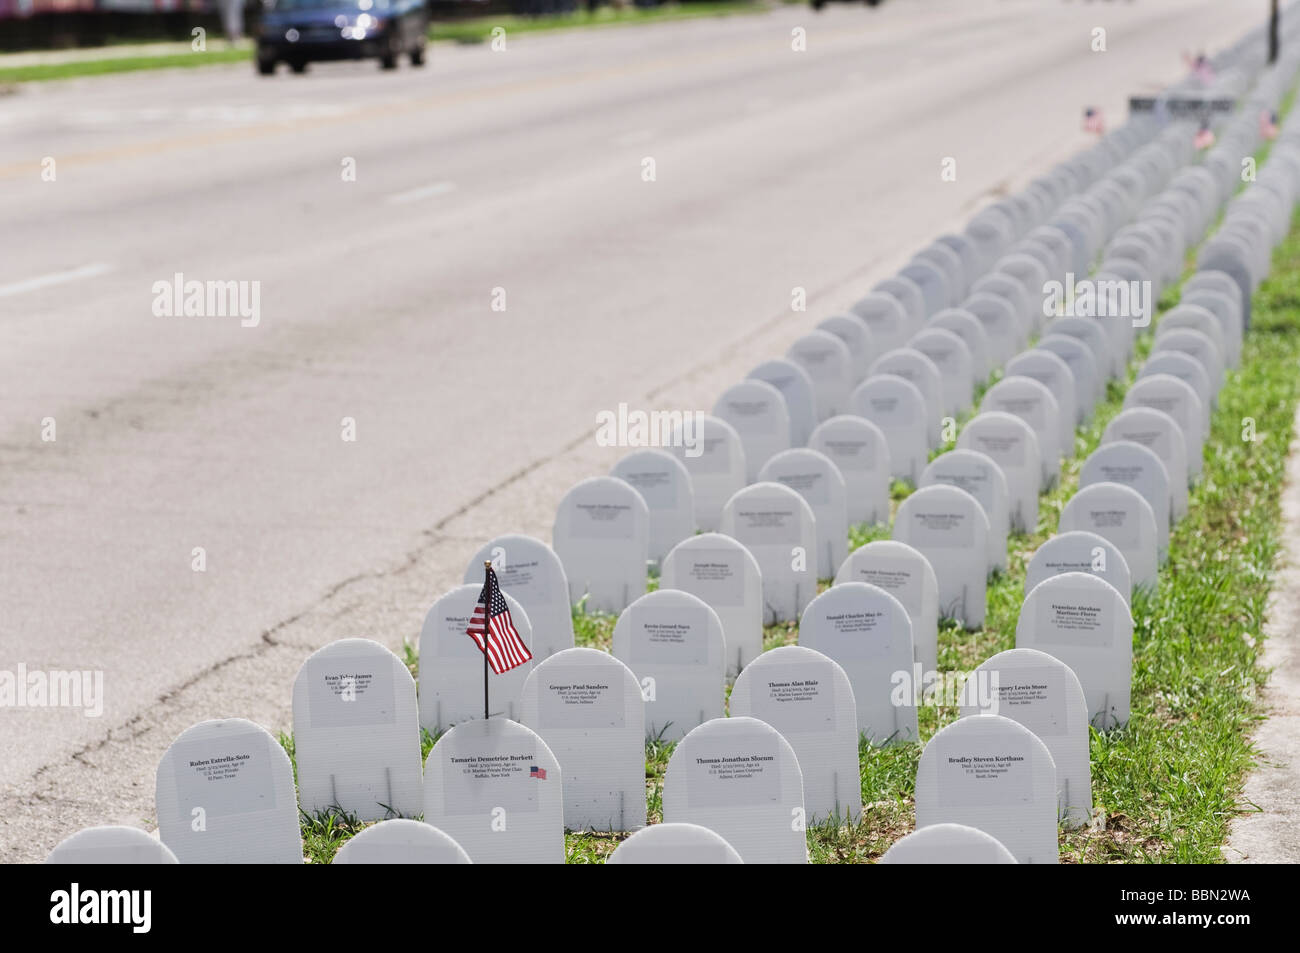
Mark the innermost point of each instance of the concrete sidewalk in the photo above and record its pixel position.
(1270, 833)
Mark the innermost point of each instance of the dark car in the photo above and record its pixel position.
(298, 32)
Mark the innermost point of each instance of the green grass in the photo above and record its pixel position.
(468, 31)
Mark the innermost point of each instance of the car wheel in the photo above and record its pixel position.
(818, 4)
(417, 55)
(266, 67)
(298, 66)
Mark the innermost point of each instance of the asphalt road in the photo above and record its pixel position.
(519, 170)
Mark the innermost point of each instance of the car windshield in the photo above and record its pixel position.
(331, 5)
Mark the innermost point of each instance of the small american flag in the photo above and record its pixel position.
(498, 638)
(1093, 121)
(535, 772)
(1268, 124)
(1204, 138)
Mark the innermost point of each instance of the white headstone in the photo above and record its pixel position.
(948, 527)
(815, 477)
(1079, 359)
(1079, 551)
(665, 485)
(1196, 318)
(777, 526)
(983, 479)
(948, 844)
(897, 407)
(530, 572)
(796, 388)
(886, 317)
(1160, 433)
(993, 774)
(867, 632)
(966, 326)
(740, 778)
(912, 365)
(495, 787)
(829, 363)
(1083, 620)
(1010, 443)
(757, 412)
(1033, 403)
(451, 665)
(356, 732)
(1134, 465)
(225, 795)
(112, 844)
(1175, 397)
(860, 450)
(907, 576)
(674, 844)
(673, 643)
(1053, 373)
(1197, 345)
(1093, 333)
(587, 707)
(717, 470)
(602, 536)
(807, 698)
(857, 337)
(1121, 515)
(400, 841)
(1042, 693)
(951, 356)
(1000, 321)
(723, 573)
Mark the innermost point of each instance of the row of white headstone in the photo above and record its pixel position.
(991, 787)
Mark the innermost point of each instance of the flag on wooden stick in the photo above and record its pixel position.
(493, 630)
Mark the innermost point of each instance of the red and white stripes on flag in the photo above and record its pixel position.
(498, 638)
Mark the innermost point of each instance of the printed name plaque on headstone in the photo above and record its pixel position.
(1010, 443)
(740, 778)
(602, 536)
(1122, 516)
(1079, 551)
(112, 844)
(587, 706)
(757, 412)
(1159, 433)
(1137, 466)
(983, 479)
(1053, 373)
(910, 364)
(896, 406)
(856, 335)
(887, 319)
(796, 389)
(993, 774)
(907, 576)
(948, 527)
(1177, 399)
(675, 844)
(777, 526)
(866, 632)
(451, 665)
(715, 459)
(495, 788)
(948, 844)
(860, 451)
(401, 841)
(816, 478)
(725, 575)
(225, 795)
(829, 363)
(673, 643)
(531, 574)
(665, 485)
(951, 356)
(1042, 693)
(807, 698)
(1033, 403)
(356, 732)
(1083, 620)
